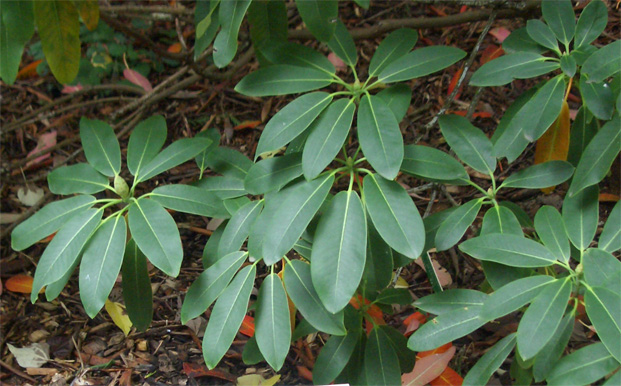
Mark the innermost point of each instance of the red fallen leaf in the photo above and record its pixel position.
(247, 327)
(138, 79)
(247, 125)
(45, 141)
(480, 114)
(195, 370)
(71, 89)
(438, 350)
(305, 373)
(29, 70)
(174, 48)
(373, 311)
(491, 52)
(608, 197)
(20, 283)
(500, 33)
(47, 239)
(449, 377)
(463, 9)
(427, 369)
(337, 62)
(437, 11)
(453, 83)
(413, 321)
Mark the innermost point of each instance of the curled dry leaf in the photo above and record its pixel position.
(45, 141)
(35, 355)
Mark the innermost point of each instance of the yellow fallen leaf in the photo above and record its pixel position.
(401, 283)
(119, 316)
(554, 144)
(257, 380)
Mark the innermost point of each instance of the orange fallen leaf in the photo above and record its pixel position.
(491, 52)
(29, 70)
(608, 197)
(438, 350)
(247, 125)
(247, 327)
(20, 283)
(481, 114)
(428, 368)
(174, 48)
(449, 377)
(305, 373)
(454, 82)
(554, 143)
(195, 370)
(292, 308)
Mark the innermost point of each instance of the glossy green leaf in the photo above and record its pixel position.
(512, 250)
(227, 316)
(455, 225)
(379, 135)
(290, 219)
(513, 296)
(210, 251)
(541, 111)
(177, 153)
(520, 65)
(551, 230)
(470, 144)
(58, 25)
(339, 250)
(597, 157)
(597, 97)
(156, 234)
(603, 307)
(583, 130)
(137, 287)
(78, 178)
(300, 289)
(231, 14)
(189, 199)
(53, 290)
(297, 55)
(273, 173)
(499, 219)
(228, 162)
(561, 18)
(328, 133)
(64, 249)
(432, 164)
(542, 34)
(223, 187)
(251, 354)
(320, 17)
(399, 343)
(342, 44)
(604, 63)
(201, 159)
(273, 325)
(268, 23)
(487, 365)
(397, 97)
(520, 41)
(543, 317)
(615, 379)
(540, 176)
(101, 147)
(334, 356)
(101, 263)
(582, 54)
(238, 227)
(550, 354)
(451, 300)
(303, 248)
(282, 79)
(394, 46)
(610, 239)
(601, 268)
(354, 372)
(210, 284)
(207, 21)
(420, 62)
(591, 23)
(446, 328)
(381, 363)
(583, 367)
(507, 143)
(48, 220)
(145, 142)
(580, 215)
(258, 230)
(291, 121)
(16, 29)
(568, 65)
(394, 215)
(379, 262)
(391, 296)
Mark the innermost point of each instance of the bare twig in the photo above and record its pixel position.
(18, 372)
(507, 4)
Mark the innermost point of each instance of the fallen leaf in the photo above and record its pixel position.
(247, 125)
(71, 89)
(554, 143)
(28, 196)
(257, 380)
(449, 377)
(608, 197)
(414, 321)
(138, 79)
(119, 316)
(454, 82)
(196, 370)
(197, 325)
(480, 114)
(247, 326)
(35, 355)
(491, 52)
(500, 33)
(20, 283)
(337, 62)
(29, 70)
(45, 141)
(174, 48)
(427, 369)
(305, 373)
(8, 218)
(444, 277)
(438, 350)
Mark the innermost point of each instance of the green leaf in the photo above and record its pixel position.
(145, 142)
(300, 289)
(210, 251)
(519, 213)
(378, 266)
(446, 328)
(231, 14)
(228, 162)
(601, 268)
(273, 173)
(101, 147)
(328, 133)
(568, 65)
(78, 178)
(487, 365)
(583, 130)
(499, 219)
(258, 230)
(53, 290)
(334, 356)
(207, 21)
(137, 287)
(201, 159)
(394, 215)
(297, 55)
(379, 135)
(16, 29)
(597, 97)
(189, 199)
(381, 363)
(470, 144)
(551, 230)
(290, 219)
(541, 111)
(63, 251)
(320, 17)
(223, 187)
(420, 62)
(339, 250)
(397, 97)
(513, 296)
(177, 153)
(542, 34)
(399, 344)
(251, 354)
(394, 46)
(520, 41)
(354, 372)
(210, 285)
(48, 220)
(583, 367)
(273, 326)
(291, 121)
(238, 227)
(156, 234)
(451, 300)
(227, 316)
(520, 65)
(342, 44)
(591, 23)
(543, 317)
(512, 250)
(456, 224)
(540, 176)
(552, 351)
(561, 18)
(580, 215)
(597, 157)
(391, 296)
(610, 239)
(58, 25)
(603, 307)
(268, 23)
(432, 164)
(511, 144)
(101, 263)
(282, 79)
(604, 63)
(615, 379)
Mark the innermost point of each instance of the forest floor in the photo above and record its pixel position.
(86, 351)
